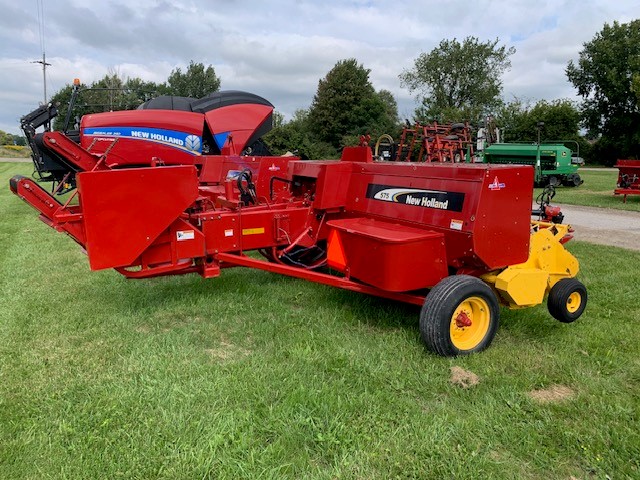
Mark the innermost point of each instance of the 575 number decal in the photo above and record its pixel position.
(436, 199)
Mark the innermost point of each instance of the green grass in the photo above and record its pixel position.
(255, 375)
(596, 191)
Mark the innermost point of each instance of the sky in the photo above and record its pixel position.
(281, 49)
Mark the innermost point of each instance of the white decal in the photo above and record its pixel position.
(496, 185)
(456, 224)
(182, 235)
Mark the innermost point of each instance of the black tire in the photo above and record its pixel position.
(572, 180)
(577, 181)
(553, 181)
(452, 294)
(567, 300)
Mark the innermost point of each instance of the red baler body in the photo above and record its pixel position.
(172, 192)
(391, 229)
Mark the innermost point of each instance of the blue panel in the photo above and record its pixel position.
(180, 140)
(221, 139)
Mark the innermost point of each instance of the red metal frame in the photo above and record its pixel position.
(438, 143)
(391, 229)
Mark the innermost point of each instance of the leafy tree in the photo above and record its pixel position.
(61, 99)
(278, 119)
(110, 93)
(458, 81)
(635, 87)
(196, 82)
(113, 92)
(391, 118)
(346, 104)
(116, 93)
(607, 77)
(295, 136)
(519, 121)
(11, 139)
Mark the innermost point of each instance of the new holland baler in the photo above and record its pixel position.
(151, 200)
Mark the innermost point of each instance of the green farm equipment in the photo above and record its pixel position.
(554, 163)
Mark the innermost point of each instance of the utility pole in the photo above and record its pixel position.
(44, 74)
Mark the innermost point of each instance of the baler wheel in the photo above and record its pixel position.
(460, 315)
(567, 300)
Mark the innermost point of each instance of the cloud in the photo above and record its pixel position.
(281, 49)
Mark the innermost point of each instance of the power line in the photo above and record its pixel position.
(40, 10)
(43, 62)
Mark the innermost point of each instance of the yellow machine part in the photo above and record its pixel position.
(525, 284)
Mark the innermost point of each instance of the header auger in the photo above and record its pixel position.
(171, 192)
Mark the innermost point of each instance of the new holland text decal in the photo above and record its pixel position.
(438, 199)
(181, 140)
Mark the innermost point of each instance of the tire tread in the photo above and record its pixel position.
(439, 305)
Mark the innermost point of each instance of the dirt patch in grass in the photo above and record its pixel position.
(463, 378)
(227, 351)
(555, 393)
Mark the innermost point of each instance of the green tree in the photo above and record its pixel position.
(295, 136)
(61, 99)
(196, 82)
(113, 92)
(457, 81)
(519, 121)
(11, 139)
(346, 104)
(391, 118)
(110, 93)
(607, 78)
(635, 87)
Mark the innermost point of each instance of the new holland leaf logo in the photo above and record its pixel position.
(192, 142)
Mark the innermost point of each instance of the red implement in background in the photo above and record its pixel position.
(628, 178)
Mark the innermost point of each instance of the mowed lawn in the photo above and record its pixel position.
(255, 375)
(596, 191)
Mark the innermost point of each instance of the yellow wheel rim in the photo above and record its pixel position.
(470, 323)
(573, 302)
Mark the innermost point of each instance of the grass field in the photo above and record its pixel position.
(596, 191)
(255, 375)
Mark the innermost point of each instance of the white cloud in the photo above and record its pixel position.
(280, 49)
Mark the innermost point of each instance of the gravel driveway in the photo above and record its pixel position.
(604, 226)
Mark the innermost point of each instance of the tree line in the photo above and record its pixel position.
(115, 93)
(456, 81)
(11, 139)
